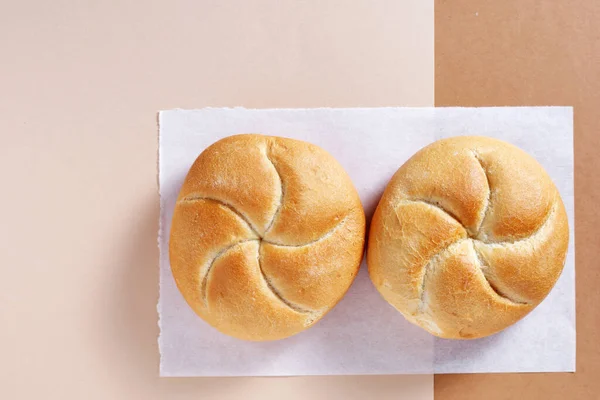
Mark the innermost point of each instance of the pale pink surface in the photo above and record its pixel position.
(81, 85)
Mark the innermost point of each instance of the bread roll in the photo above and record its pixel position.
(469, 236)
(267, 236)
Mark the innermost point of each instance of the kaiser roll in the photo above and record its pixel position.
(469, 236)
(267, 236)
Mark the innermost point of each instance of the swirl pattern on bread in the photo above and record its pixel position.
(470, 235)
(267, 236)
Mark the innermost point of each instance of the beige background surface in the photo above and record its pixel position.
(80, 86)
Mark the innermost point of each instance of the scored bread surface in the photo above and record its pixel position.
(267, 236)
(469, 236)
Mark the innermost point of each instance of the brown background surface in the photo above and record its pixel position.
(533, 52)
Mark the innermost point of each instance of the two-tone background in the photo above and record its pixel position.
(80, 86)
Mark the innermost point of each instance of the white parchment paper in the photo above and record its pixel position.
(363, 334)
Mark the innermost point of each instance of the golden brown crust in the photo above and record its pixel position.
(307, 283)
(267, 236)
(469, 236)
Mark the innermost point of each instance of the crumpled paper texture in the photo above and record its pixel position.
(363, 334)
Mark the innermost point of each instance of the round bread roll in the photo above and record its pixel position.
(469, 236)
(267, 236)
